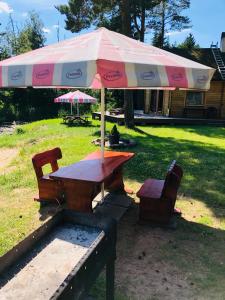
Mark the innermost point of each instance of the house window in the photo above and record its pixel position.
(194, 99)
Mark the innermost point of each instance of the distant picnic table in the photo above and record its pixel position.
(76, 119)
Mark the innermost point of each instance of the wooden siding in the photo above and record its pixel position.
(215, 97)
(177, 103)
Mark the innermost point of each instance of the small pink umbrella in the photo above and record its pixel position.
(75, 97)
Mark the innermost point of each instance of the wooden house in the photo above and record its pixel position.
(191, 104)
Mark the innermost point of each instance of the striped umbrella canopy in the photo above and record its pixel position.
(117, 60)
(75, 97)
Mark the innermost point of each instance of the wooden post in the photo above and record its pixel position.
(102, 134)
(110, 271)
(157, 102)
(102, 123)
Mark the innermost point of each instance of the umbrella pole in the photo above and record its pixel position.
(102, 133)
(102, 123)
(71, 108)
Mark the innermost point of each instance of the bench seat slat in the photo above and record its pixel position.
(152, 188)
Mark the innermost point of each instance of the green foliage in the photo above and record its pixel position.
(29, 37)
(7, 110)
(189, 43)
(197, 246)
(34, 30)
(158, 40)
(20, 130)
(166, 16)
(127, 17)
(24, 104)
(62, 112)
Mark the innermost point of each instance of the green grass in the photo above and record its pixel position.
(199, 150)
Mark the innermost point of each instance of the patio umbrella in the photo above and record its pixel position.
(103, 59)
(75, 97)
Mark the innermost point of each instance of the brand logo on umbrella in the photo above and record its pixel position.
(202, 79)
(42, 74)
(177, 76)
(16, 75)
(112, 75)
(74, 74)
(150, 75)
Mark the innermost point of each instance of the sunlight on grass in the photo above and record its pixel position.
(199, 150)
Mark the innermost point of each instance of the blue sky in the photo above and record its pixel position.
(207, 19)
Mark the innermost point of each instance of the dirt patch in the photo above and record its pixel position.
(6, 156)
(141, 269)
(158, 263)
(7, 128)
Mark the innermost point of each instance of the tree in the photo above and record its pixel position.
(28, 37)
(3, 49)
(31, 36)
(166, 16)
(124, 16)
(34, 29)
(189, 43)
(25, 104)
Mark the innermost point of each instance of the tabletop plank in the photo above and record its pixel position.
(91, 167)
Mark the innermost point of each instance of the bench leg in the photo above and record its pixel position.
(79, 195)
(110, 274)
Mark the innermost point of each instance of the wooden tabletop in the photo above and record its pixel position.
(91, 167)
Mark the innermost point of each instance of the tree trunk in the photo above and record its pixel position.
(125, 17)
(142, 34)
(128, 109)
(163, 25)
(128, 95)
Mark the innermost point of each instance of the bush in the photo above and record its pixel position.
(7, 112)
(62, 112)
(20, 130)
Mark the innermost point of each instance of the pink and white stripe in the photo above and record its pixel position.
(103, 58)
(75, 97)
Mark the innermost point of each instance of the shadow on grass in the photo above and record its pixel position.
(203, 165)
(79, 125)
(207, 131)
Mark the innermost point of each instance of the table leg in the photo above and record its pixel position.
(110, 274)
(79, 195)
(115, 182)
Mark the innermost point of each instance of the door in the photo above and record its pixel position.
(156, 102)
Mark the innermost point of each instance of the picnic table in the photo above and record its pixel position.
(75, 119)
(82, 180)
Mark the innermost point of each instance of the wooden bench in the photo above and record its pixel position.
(194, 112)
(116, 111)
(49, 189)
(158, 197)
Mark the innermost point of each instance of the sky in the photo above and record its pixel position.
(207, 19)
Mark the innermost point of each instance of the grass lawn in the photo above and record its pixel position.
(195, 249)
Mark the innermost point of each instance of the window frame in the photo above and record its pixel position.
(195, 105)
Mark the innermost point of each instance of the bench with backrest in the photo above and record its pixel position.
(158, 197)
(49, 189)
